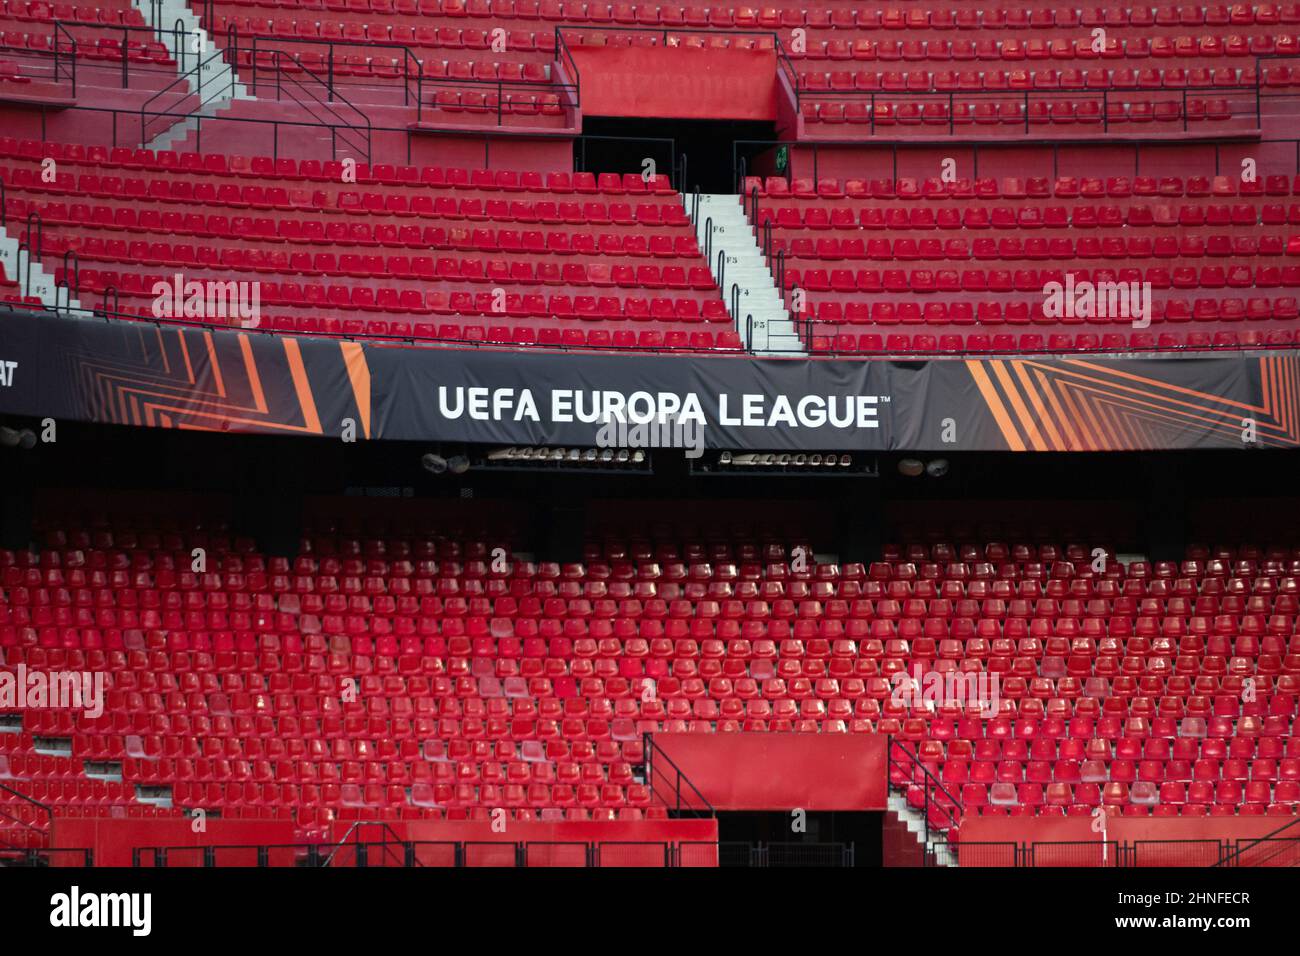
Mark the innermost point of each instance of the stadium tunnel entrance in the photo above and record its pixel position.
(800, 838)
(711, 148)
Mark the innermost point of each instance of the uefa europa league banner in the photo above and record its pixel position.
(235, 380)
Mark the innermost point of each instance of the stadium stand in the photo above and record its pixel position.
(915, 261)
(564, 247)
(521, 688)
(437, 203)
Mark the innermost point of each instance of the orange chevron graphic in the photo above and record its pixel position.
(1080, 405)
(201, 389)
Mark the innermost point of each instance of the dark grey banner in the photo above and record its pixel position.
(140, 373)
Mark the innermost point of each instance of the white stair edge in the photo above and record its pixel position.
(915, 823)
(774, 333)
(42, 282)
(214, 71)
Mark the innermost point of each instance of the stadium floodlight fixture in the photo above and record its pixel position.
(800, 460)
(503, 454)
(623, 455)
(458, 465)
(846, 461)
(783, 460)
(937, 468)
(434, 464)
(911, 467)
(589, 455)
(638, 457)
(607, 454)
(814, 460)
(724, 458)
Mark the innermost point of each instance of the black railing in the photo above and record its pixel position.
(115, 314)
(123, 35)
(412, 70)
(564, 57)
(347, 123)
(508, 854)
(65, 55)
(882, 104)
(187, 86)
(1073, 853)
(1265, 851)
(386, 848)
(662, 773)
(974, 150)
(48, 856)
(980, 853)
(72, 287)
(938, 804)
(241, 854)
(44, 808)
(34, 252)
(1173, 852)
(1243, 847)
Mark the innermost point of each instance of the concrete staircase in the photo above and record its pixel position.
(42, 285)
(915, 822)
(212, 81)
(772, 333)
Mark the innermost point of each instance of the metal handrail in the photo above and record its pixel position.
(408, 58)
(284, 77)
(26, 288)
(125, 32)
(117, 303)
(1233, 857)
(183, 82)
(43, 807)
(60, 33)
(355, 828)
(73, 287)
(651, 749)
(929, 783)
(564, 56)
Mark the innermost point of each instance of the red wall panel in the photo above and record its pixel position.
(114, 839)
(780, 771)
(623, 843)
(677, 82)
(1121, 830)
